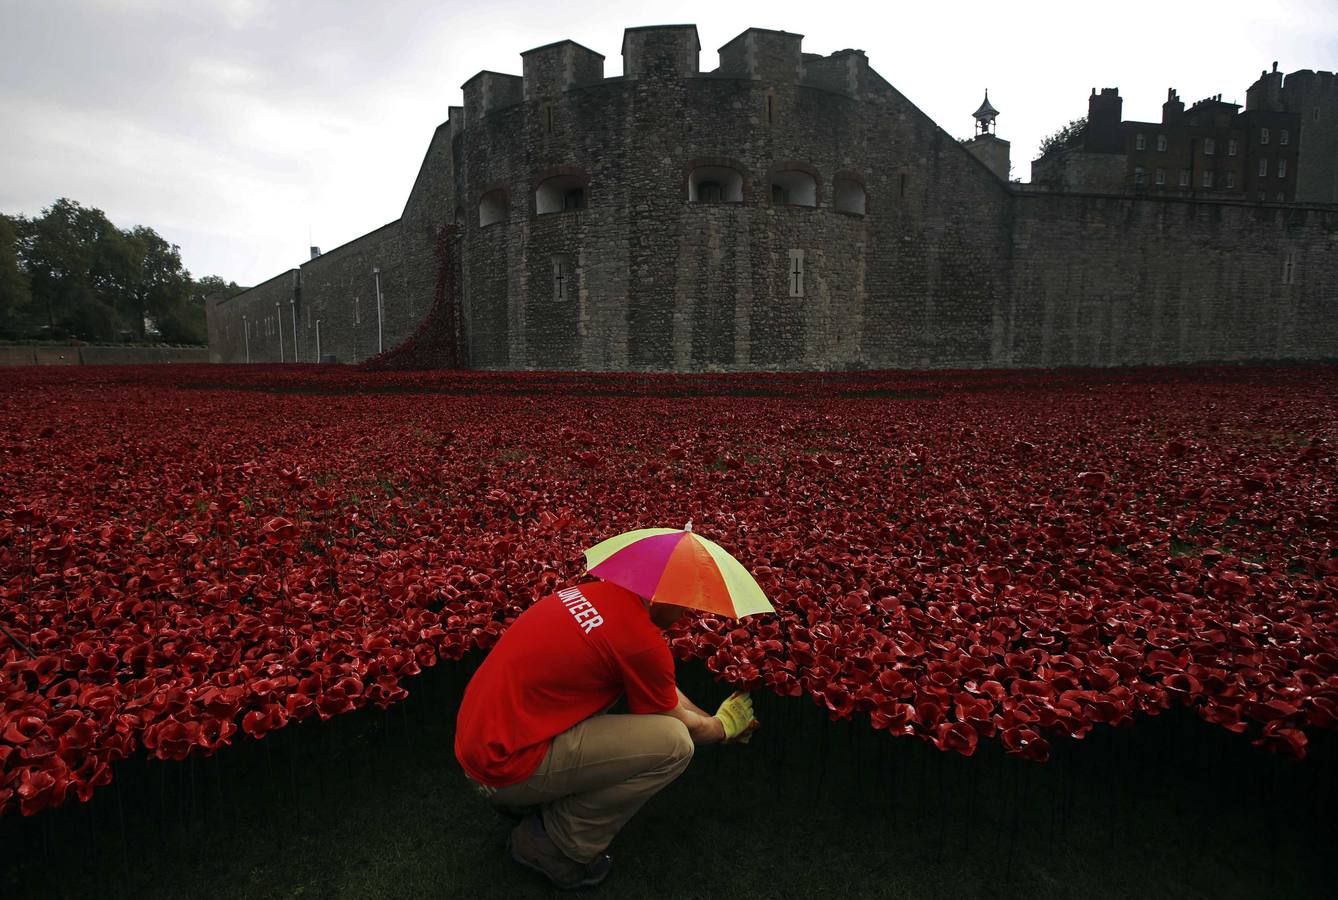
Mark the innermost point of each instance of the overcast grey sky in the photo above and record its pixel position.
(233, 126)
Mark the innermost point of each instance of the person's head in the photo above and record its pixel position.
(665, 614)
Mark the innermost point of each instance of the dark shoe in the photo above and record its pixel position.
(531, 846)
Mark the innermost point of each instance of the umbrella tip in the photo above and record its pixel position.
(688, 527)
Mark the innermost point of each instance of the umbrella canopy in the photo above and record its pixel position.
(671, 565)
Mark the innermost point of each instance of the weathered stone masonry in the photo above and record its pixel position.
(784, 211)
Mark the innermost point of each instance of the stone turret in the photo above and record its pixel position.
(1266, 93)
(661, 50)
(760, 53)
(489, 91)
(554, 68)
(845, 71)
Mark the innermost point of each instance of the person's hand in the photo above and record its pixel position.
(736, 714)
(747, 733)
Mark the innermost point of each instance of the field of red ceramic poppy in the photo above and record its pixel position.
(195, 556)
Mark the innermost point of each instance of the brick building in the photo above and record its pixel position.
(1282, 147)
(785, 210)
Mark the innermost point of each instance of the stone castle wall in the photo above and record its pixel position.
(336, 289)
(242, 328)
(1124, 281)
(945, 267)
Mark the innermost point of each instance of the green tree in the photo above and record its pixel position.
(208, 286)
(89, 279)
(15, 297)
(1065, 136)
(77, 265)
(70, 272)
(161, 288)
(186, 323)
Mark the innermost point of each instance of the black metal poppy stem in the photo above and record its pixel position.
(45, 831)
(181, 799)
(292, 768)
(940, 760)
(125, 841)
(16, 642)
(824, 749)
(218, 783)
(853, 748)
(1001, 801)
(892, 778)
(194, 799)
(1023, 784)
(1274, 765)
(269, 767)
(1056, 795)
(972, 782)
(924, 781)
(322, 771)
(284, 606)
(1126, 793)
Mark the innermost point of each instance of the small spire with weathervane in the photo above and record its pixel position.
(985, 116)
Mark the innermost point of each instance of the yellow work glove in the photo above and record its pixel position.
(736, 714)
(747, 733)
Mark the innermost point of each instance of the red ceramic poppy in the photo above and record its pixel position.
(940, 568)
(956, 736)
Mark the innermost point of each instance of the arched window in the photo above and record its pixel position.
(561, 193)
(493, 207)
(793, 187)
(715, 184)
(848, 196)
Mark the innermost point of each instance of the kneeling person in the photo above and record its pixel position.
(531, 732)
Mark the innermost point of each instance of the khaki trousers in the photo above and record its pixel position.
(597, 774)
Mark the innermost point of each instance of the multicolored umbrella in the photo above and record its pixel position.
(670, 565)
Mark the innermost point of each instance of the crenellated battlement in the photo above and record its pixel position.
(845, 71)
(763, 54)
(661, 50)
(554, 68)
(665, 51)
(489, 91)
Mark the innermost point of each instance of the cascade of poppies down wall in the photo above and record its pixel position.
(1016, 557)
(436, 343)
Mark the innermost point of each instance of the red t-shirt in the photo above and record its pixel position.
(566, 658)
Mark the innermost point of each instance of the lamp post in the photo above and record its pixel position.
(376, 272)
(246, 337)
(292, 304)
(318, 340)
(278, 311)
